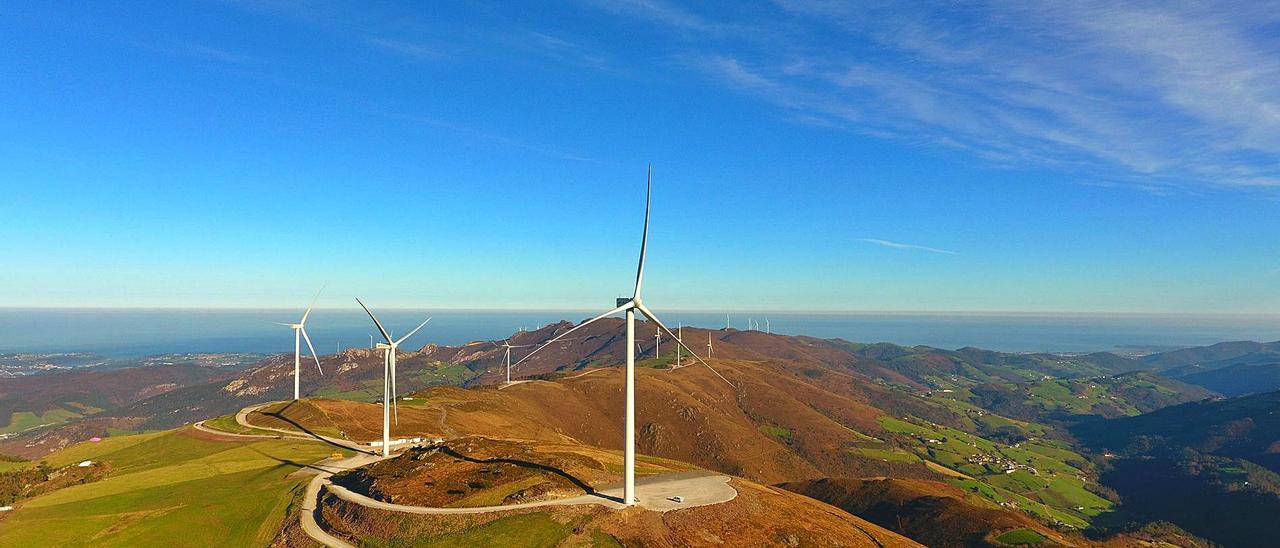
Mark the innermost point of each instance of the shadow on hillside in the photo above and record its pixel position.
(287, 462)
(280, 415)
(586, 489)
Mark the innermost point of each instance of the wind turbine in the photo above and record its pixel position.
(767, 328)
(506, 344)
(657, 342)
(679, 337)
(630, 306)
(709, 349)
(300, 333)
(389, 376)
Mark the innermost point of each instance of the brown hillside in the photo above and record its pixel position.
(775, 425)
(757, 516)
(931, 512)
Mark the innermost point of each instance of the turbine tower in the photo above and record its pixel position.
(300, 333)
(506, 344)
(657, 343)
(709, 349)
(630, 306)
(679, 338)
(389, 376)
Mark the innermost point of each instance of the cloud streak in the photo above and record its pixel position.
(913, 247)
(1157, 95)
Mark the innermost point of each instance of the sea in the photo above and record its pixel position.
(130, 333)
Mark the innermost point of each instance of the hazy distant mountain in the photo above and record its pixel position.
(1237, 380)
(1216, 356)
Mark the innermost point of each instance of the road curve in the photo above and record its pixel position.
(698, 488)
(310, 500)
(242, 418)
(199, 425)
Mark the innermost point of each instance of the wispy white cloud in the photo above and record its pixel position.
(899, 245)
(660, 12)
(411, 49)
(1157, 95)
(498, 139)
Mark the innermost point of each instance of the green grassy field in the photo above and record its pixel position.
(167, 489)
(776, 431)
(24, 420)
(1040, 477)
(1021, 537)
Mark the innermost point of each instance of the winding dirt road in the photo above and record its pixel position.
(656, 493)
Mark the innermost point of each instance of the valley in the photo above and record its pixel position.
(994, 434)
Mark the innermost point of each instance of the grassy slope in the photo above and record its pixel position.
(1053, 493)
(25, 420)
(167, 488)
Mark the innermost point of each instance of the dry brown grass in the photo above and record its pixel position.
(759, 516)
(686, 414)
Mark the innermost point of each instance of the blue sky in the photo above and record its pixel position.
(808, 155)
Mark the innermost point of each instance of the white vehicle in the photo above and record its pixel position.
(677, 499)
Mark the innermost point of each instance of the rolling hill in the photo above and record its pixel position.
(801, 410)
(1222, 453)
(1238, 379)
(1216, 355)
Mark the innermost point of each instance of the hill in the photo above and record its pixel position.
(932, 513)
(1216, 355)
(779, 423)
(213, 489)
(29, 402)
(160, 487)
(1246, 427)
(1239, 379)
(1223, 453)
(801, 409)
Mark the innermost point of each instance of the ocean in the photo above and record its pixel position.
(129, 333)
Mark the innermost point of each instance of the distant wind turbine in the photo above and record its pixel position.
(507, 346)
(300, 333)
(389, 376)
(709, 349)
(767, 328)
(630, 307)
(657, 343)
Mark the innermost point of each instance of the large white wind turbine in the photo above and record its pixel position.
(709, 349)
(300, 333)
(630, 306)
(389, 376)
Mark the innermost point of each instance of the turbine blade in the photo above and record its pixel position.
(649, 314)
(284, 324)
(313, 350)
(415, 330)
(310, 306)
(375, 321)
(644, 241)
(629, 304)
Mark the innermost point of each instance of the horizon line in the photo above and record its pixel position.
(904, 312)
